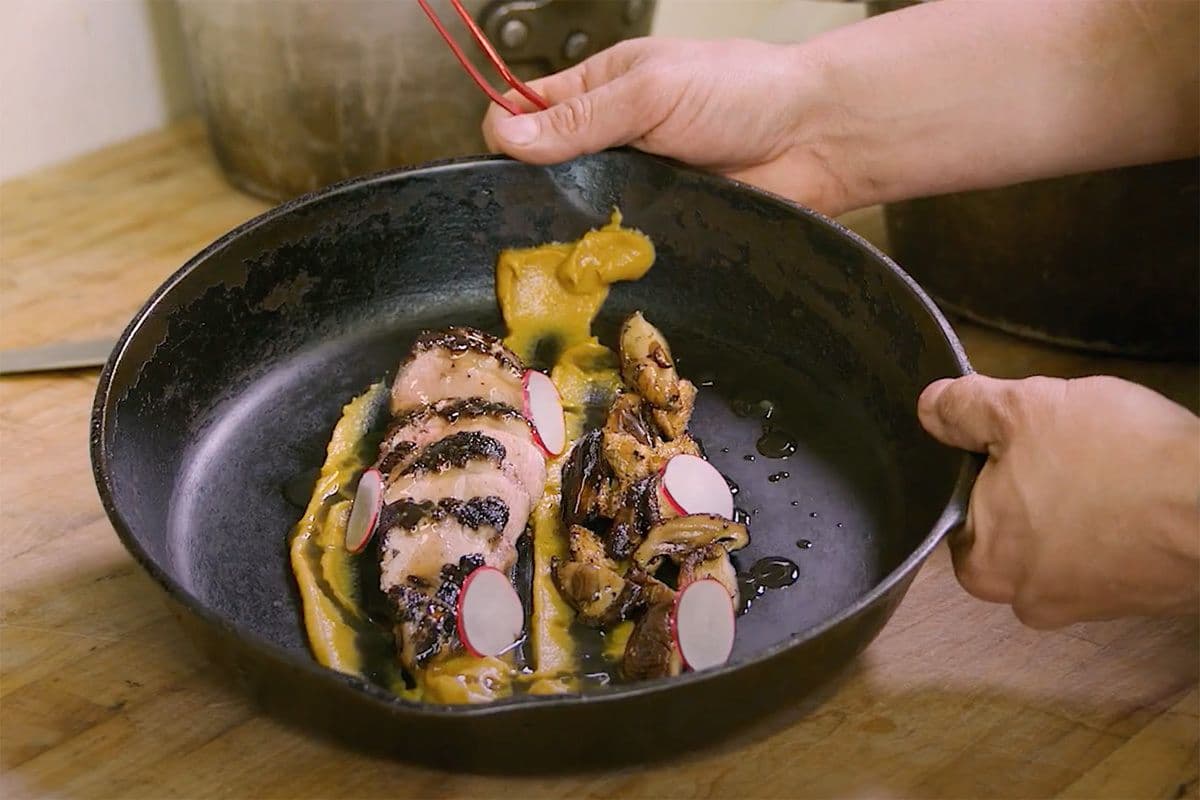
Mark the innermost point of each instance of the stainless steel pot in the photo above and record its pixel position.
(300, 94)
(1102, 261)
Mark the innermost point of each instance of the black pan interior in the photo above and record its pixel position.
(230, 380)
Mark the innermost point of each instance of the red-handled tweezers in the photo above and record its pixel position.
(492, 56)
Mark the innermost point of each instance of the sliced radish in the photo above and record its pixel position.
(703, 624)
(544, 410)
(490, 615)
(691, 485)
(364, 514)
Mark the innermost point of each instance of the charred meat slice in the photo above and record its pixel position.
(458, 363)
(475, 479)
(425, 612)
(416, 429)
(648, 366)
(420, 537)
(516, 456)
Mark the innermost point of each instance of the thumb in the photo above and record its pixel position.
(969, 412)
(585, 123)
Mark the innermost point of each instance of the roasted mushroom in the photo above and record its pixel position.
(647, 366)
(710, 562)
(589, 581)
(585, 477)
(680, 535)
(633, 447)
(651, 650)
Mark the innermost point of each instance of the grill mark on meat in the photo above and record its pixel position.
(453, 410)
(459, 340)
(426, 622)
(396, 453)
(456, 451)
(475, 513)
(415, 429)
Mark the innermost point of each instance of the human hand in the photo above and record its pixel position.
(1089, 504)
(744, 109)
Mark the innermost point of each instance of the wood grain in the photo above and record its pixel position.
(101, 695)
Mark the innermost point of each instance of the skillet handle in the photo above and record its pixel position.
(955, 513)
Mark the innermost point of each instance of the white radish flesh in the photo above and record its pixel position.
(544, 410)
(703, 624)
(693, 486)
(364, 514)
(490, 615)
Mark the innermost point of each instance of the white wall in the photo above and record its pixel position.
(76, 75)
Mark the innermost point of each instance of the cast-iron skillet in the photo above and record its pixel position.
(226, 384)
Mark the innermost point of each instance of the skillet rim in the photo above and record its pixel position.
(952, 514)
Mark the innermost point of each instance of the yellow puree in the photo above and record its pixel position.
(550, 292)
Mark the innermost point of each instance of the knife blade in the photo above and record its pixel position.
(57, 356)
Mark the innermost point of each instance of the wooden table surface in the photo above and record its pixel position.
(102, 696)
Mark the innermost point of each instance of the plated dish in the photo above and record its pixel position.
(513, 520)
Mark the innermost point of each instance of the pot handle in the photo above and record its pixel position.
(554, 34)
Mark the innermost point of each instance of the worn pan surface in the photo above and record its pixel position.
(226, 384)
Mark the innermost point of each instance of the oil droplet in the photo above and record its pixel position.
(795, 503)
(812, 514)
(841, 525)
(767, 408)
(775, 572)
(741, 516)
(754, 513)
(775, 443)
(804, 544)
(777, 477)
(733, 487)
(724, 449)
(748, 457)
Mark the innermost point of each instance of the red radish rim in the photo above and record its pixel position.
(675, 641)
(675, 504)
(666, 493)
(458, 609)
(537, 435)
(373, 520)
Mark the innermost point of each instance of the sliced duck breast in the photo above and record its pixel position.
(458, 363)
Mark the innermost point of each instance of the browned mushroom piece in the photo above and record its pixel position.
(672, 422)
(633, 448)
(589, 581)
(710, 562)
(585, 478)
(651, 651)
(648, 366)
(680, 535)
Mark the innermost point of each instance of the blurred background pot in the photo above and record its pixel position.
(299, 94)
(1105, 261)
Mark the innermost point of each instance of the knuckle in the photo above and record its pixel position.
(573, 116)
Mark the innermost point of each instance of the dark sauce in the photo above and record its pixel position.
(775, 572)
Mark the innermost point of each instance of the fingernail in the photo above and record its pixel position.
(518, 130)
